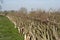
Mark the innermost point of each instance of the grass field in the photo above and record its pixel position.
(7, 30)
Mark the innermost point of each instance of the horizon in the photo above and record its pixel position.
(28, 4)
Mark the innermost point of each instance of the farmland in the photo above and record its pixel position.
(33, 25)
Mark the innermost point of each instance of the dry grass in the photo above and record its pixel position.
(40, 25)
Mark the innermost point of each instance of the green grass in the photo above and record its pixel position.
(7, 30)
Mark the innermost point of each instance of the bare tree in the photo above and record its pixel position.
(23, 10)
(1, 2)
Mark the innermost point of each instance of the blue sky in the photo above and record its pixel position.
(43, 4)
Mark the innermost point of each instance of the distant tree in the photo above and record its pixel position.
(23, 10)
(1, 2)
(5, 13)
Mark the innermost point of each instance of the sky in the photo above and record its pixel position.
(35, 4)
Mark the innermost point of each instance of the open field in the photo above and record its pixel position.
(34, 25)
(29, 20)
